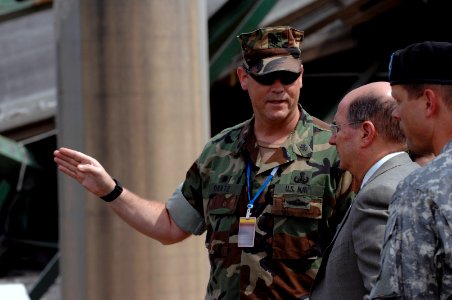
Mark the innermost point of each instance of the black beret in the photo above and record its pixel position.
(426, 62)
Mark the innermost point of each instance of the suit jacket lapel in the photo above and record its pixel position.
(391, 163)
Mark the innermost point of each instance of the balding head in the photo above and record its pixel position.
(373, 102)
(365, 128)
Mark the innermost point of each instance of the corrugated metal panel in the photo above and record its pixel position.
(27, 69)
(12, 6)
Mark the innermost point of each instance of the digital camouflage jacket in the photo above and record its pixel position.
(296, 213)
(416, 260)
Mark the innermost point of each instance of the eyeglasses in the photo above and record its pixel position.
(335, 128)
(285, 77)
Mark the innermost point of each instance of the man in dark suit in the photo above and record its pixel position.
(371, 146)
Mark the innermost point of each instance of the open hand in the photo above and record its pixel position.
(85, 169)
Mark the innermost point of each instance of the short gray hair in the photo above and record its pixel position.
(377, 109)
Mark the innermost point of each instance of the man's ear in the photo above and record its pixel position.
(243, 77)
(431, 102)
(368, 133)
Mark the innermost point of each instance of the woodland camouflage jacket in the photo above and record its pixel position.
(296, 214)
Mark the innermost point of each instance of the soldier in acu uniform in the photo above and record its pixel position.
(267, 191)
(417, 254)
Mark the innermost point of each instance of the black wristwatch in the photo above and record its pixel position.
(113, 194)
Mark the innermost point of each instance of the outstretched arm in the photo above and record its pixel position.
(149, 217)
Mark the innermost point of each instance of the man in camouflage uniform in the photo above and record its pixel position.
(417, 254)
(276, 172)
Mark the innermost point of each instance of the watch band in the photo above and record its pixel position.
(113, 194)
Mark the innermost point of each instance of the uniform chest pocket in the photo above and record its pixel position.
(298, 200)
(221, 223)
(296, 221)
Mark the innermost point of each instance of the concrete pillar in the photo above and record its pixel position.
(133, 93)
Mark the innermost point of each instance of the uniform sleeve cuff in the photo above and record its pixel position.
(183, 214)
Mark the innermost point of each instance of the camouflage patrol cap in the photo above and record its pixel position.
(272, 49)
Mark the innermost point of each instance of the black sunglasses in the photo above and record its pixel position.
(285, 77)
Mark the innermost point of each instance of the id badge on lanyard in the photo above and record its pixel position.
(247, 230)
(247, 224)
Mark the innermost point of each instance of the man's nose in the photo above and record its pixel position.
(332, 140)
